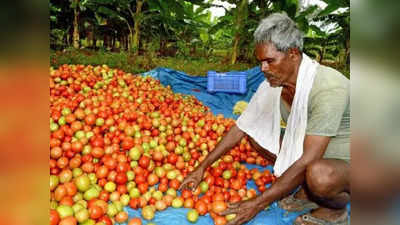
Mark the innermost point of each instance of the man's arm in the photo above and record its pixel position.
(314, 149)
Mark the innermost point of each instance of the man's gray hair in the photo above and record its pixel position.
(281, 31)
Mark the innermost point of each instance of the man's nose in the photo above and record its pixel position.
(264, 66)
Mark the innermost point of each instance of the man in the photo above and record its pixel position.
(322, 169)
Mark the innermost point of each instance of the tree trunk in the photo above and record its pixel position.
(241, 16)
(235, 48)
(136, 36)
(76, 24)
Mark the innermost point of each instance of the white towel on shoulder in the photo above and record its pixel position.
(261, 119)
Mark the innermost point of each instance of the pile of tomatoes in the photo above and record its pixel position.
(118, 139)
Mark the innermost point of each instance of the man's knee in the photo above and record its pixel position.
(321, 179)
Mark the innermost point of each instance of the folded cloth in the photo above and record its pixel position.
(261, 119)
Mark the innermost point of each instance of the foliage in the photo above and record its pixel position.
(185, 29)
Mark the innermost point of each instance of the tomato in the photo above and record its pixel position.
(192, 216)
(152, 179)
(135, 221)
(220, 220)
(218, 206)
(70, 220)
(54, 217)
(144, 162)
(174, 184)
(95, 212)
(106, 220)
(121, 178)
(201, 207)
(188, 203)
(121, 217)
(186, 193)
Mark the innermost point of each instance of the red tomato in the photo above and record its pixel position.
(69, 220)
(201, 207)
(54, 217)
(121, 178)
(95, 212)
(144, 162)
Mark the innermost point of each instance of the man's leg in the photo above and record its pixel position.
(328, 184)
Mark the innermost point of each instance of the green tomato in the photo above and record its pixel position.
(64, 211)
(160, 172)
(130, 175)
(80, 134)
(99, 122)
(146, 146)
(203, 187)
(148, 213)
(82, 215)
(134, 153)
(134, 193)
(171, 174)
(125, 199)
(134, 164)
(92, 178)
(65, 111)
(110, 186)
(86, 150)
(153, 144)
(82, 183)
(53, 204)
(192, 216)
(88, 222)
(53, 126)
(227, 174)
(179, 150)
(76, 207)
(54, 181)
(171, 192)
(230, 217)
(82, 202)
(119, 206)
(61, 121)
(130, 185)
(186, 156)
(112, 210)
(76, 172)
(177, 203)
(182, 142)
(91, 193)
(157, 195)
(77, 197)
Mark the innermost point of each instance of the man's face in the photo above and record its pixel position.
(277, 66)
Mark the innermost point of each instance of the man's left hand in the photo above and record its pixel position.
(244, 210)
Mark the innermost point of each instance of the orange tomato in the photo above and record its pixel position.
(135, 221)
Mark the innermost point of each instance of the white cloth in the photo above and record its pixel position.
(261, 119)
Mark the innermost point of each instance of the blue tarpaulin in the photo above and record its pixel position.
(219, 103)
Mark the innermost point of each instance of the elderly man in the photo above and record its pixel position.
(314, 152)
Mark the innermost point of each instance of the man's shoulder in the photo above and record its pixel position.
(328, 78)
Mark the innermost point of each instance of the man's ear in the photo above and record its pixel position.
(294, 53)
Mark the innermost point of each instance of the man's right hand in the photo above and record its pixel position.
(193, 178)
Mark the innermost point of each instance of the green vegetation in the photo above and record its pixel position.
(139, 35)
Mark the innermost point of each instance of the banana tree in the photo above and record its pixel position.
(77, 6)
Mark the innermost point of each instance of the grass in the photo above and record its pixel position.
(197, 66)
